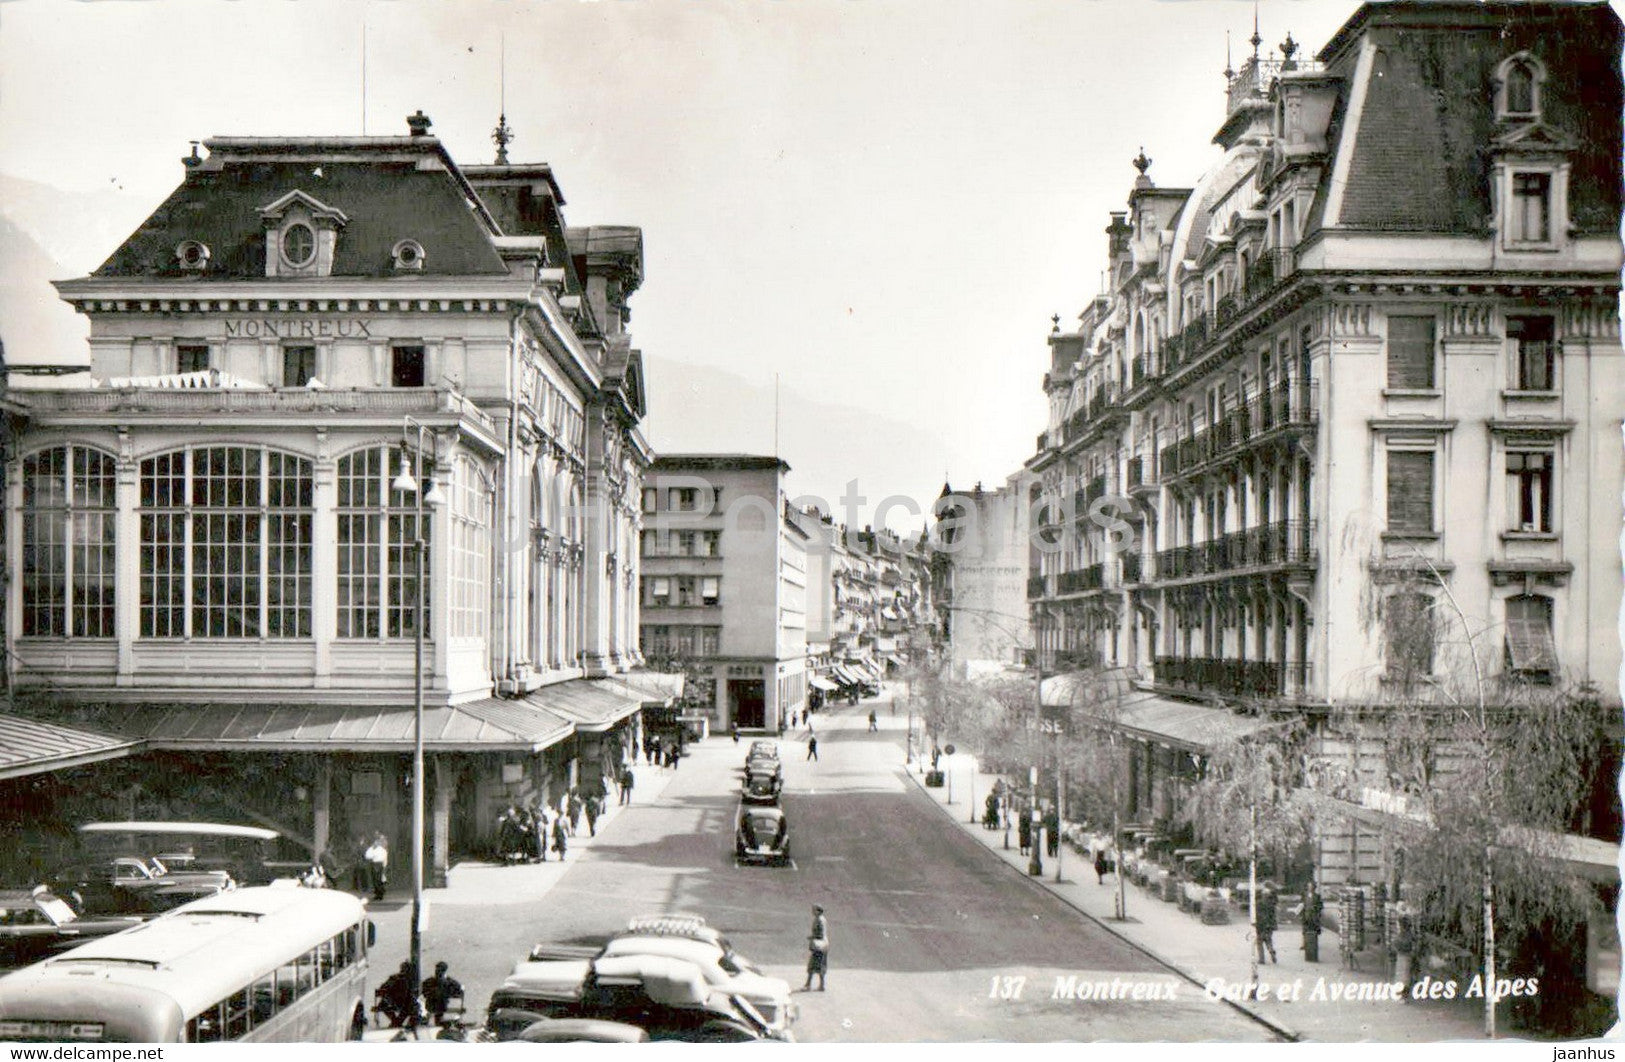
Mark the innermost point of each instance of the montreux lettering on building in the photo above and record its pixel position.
(296, 328)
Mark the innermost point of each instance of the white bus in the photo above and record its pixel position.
(270, 964)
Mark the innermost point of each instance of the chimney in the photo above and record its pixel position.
(194, 160)
(418, 123)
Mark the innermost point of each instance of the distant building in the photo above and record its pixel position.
(980, 565)
(724, 588)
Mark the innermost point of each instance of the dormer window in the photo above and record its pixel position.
(1518, 83)
(408, 256)
(301, 236)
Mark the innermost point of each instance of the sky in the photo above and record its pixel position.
(870, 207)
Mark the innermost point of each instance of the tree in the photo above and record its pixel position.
(1488, 772)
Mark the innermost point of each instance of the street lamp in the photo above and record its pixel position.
(407, 483)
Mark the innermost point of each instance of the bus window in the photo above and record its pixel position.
(237, 1015)
(206, 1028)
(265, 998)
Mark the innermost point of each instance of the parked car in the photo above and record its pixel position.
(131, 885)
(580, 1031)
(668, 998)
(763, 834)
(764, 767)
(769, 749)
(37, 923)
(688, 938)
(762, 789)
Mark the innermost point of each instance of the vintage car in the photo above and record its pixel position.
(37, 923)
(767, 749)
(763, 834)
(668, 998)
(580, 1031)
(690, 939)
(131, 885)
(764, 767)
(762, 789)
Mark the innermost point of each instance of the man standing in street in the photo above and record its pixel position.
(627, 780)
(377, 857)
(1264, 927)
(817, 949)
(812, 746)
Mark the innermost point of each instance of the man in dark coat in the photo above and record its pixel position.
(1024, 830)
(1052, 832)
(594, 808)
(397, 997)
(627, 781)
(1312, 909)
(439, 991)
(1102, 865)
(1264, 927)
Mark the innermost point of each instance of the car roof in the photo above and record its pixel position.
(582, 1030)
(762, 811)
(696, 951)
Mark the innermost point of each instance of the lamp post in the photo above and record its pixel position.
(408, 483)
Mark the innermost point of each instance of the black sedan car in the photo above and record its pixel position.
(761, 789)
(37, 924)
(131, 885)
(763, 834)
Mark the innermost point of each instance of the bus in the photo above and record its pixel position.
(275, 964)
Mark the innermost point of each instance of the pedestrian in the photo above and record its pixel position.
(360, 870)
(936, 755)
(655, 753)
(540, 825)
(1102, 865)
(377, 857)
(648, 749)
(1052, 831)
(874, 722)
(733, 729)
(812, 747)
(398, 999)
(1264, 924)
(560, 837)
(508, 838)
(817, 949)
(1312, 908)
(628, 779)
(575, 811)
(439, 991)
(594, 808)
(1024, 830)
(1406, 946)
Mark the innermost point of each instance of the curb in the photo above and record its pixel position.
(1285, 1032)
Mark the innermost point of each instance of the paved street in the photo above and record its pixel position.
(923, 918)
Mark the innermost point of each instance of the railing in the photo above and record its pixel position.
(1255, 677)
(1226, 310)
(1268, 270)
(1133, 568)
(1136, 472)
(1286, 405)
(1082, 579)
(1036, 585)
(1253, 80)
(391, 402)
(1283, 542)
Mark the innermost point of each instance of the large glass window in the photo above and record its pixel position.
(68, 543)
(225, 544)
(1534, 352)
(377, 576)
(1529, 490)
(470, 550)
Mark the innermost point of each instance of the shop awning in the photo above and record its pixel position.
(489, 725)
(655, 687)
(28, 746)
(849, 675)
(1195, 727)
(819, 682)
(592, 705)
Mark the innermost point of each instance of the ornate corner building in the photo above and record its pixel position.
(1366, 368)
(211, 543)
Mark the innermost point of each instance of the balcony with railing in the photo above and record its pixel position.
(1252, 82)
(1293, 405)
(1247, 678)
(1082, 580)
(1036, 586)
(1268, 271)
(1280, 544)
(1133, 568)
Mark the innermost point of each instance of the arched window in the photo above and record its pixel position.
(377, 574)
(225, 544)
(1519, 80)
(68, 543)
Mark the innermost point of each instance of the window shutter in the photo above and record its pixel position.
(1410, 353)
(1410, 490)
(1530, 645)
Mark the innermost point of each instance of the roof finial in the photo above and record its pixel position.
(503, 135)
(1257, 38)
(1289, 48)
(1142, 163)
(1229, 67)
(1055, 322)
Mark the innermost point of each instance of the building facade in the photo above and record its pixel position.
(983, 545)
(319, 363)
(1358, 379)
(724, 587)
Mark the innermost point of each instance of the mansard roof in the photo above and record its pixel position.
(1424, 131)
(388, 189)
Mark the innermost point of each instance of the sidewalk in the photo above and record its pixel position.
(1202, 953)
